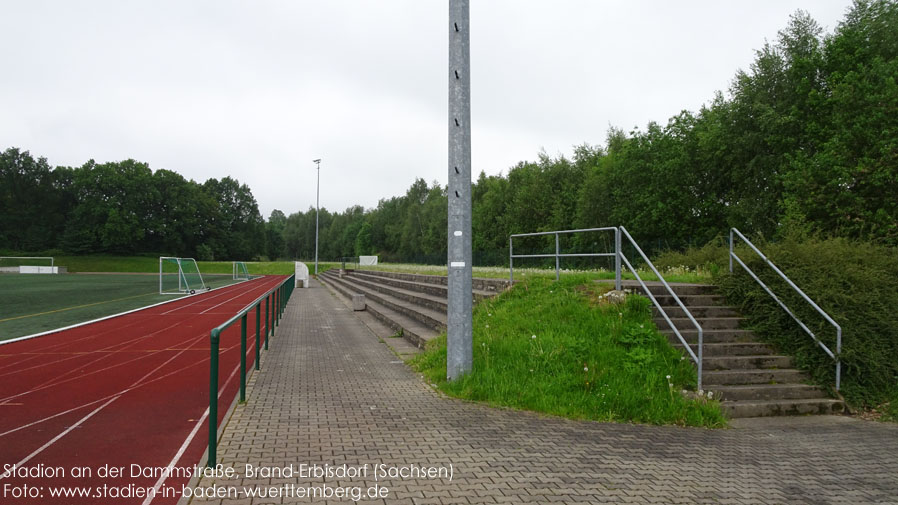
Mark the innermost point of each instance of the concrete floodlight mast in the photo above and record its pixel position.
(459, 349)
(317, 187)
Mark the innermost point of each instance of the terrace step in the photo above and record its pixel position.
(729, 348)
(751, 376)
(422, 299)
(412, 330)
(746, 362)
(708, 336)
(767, 392)
(794, 407)
(691, 300)
(697, 311)
(709, 323)
(430, 318)
(430, 288)
(495, 286)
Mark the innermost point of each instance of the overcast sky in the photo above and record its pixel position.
(258, 89)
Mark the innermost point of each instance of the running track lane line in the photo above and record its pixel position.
(135, 385)
(101, 407)
(187, 441)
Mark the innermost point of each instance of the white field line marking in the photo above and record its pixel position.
(48, 385)
(222, 303)
(169, 374)
(94, 372)
(116, 397)
(101, 407)
(64, 433)
(187, 441)
(85, 418)
(210, 298)
(112, 330)
(26, 337)
(121, 345)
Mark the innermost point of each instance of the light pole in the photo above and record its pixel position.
(317, 187)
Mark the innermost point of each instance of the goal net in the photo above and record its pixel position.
(240, 271)
(179, 275)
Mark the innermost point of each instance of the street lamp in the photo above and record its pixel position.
(317, 186)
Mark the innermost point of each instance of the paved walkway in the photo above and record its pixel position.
(331, 393)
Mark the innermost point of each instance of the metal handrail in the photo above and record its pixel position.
(835, 356)
(696, 358)
(278, 297)
(558, 255)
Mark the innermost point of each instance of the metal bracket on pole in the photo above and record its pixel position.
(459, 328)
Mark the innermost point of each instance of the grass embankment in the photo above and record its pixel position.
(853, 281)
(670, 274)
(559, 348)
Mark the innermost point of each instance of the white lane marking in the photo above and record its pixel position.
(64, 433)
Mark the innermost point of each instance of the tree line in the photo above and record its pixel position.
(124, 208)
(804, 141)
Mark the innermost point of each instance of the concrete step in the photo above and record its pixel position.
(426, 300)
(709, 336)
(764, 408)
(746, 362)
(765, 392)
(697, 311)
(707, 323)
(729, 348)
(413, 331)
(433, 319)
(658, 289)
(477, 283)
(430, 288)
(755, 376)
(692, 300)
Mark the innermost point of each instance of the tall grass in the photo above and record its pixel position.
(559, 348)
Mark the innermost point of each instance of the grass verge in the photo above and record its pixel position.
(556, 348)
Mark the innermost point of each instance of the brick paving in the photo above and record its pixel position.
(330, 392)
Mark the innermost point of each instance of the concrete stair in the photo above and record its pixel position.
(411, 304)
(747, 375)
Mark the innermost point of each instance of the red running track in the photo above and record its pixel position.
(129, 390)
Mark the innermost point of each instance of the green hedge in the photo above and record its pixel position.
(853, 281)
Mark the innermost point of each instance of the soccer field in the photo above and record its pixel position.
(36, 303)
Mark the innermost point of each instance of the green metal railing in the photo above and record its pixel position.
(275, 302)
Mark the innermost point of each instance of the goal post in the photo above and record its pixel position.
(240, 272)
(179, 276)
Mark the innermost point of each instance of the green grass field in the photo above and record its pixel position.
(35, 303)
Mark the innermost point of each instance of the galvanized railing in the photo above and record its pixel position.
(276, 298)
(558, 255)
(696, 358)
(733, 256)
(619, 257)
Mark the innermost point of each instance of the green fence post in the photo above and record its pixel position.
(277, 303)
(243, 359)
(266, 322)
(213, 396)
(258, 335)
